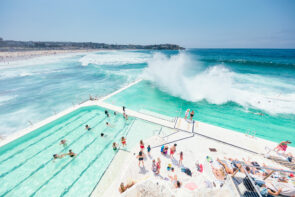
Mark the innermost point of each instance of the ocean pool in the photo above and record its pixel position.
(145, 96)
(27, 166)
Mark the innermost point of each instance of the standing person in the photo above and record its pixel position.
(282, 146)
(115, 113)
(140, 157)
(149, 150)
(192, 114)
(180, 158)
(141, 145)
(172, 150)
(123, 141)
(123, 108)
(158, 166)
(154, 166)
(186, 114)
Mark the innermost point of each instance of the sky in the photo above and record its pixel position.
(189, 23)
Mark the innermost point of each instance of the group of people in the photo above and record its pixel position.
(276, 184)
(70, 154)
(189, 113)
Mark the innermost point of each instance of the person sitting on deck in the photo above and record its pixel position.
(123, 187)
(176, 183)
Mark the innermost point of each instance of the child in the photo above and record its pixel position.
(180, 158)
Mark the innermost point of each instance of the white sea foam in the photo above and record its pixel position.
(115, 58)
(218, 84)
(40, 60)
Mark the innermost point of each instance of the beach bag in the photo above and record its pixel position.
(187, 171)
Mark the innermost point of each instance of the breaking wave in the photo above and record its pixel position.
(181, 76)
(115, 58)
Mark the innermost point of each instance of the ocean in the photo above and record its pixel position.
(247, 90)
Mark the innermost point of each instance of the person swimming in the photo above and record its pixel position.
(115, 113)
(115, 146)
(109, 124)
(57, 156)
(63, 142)
(107, 113)
(71, 153)
(101, 134)
(87, 127)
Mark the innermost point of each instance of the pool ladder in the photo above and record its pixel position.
(250, 133)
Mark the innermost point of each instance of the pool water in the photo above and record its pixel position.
(27, 167)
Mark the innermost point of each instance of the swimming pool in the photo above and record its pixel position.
(27, 166)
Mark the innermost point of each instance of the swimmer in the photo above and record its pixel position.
(87, 127)
(56, 156)
(107, 113)
(115, 146)
(115, 113)
(71, 153)
(102, 135)
(109, 125)
(125, 116)
(63, 142)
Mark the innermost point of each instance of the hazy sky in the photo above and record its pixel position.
(190, 23)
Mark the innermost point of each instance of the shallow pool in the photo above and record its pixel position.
(27, 167)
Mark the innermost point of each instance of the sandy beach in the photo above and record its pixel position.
(6, 57)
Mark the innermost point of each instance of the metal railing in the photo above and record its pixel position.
(250, 186)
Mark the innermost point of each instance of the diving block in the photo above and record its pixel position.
(184, 125)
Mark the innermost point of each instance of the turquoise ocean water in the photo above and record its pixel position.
(239, 89)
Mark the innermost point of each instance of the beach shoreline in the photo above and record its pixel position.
(12, 56)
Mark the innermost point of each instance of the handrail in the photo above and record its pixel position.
(252, 182)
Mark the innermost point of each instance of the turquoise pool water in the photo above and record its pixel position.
(27, 166)
(146, 96)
